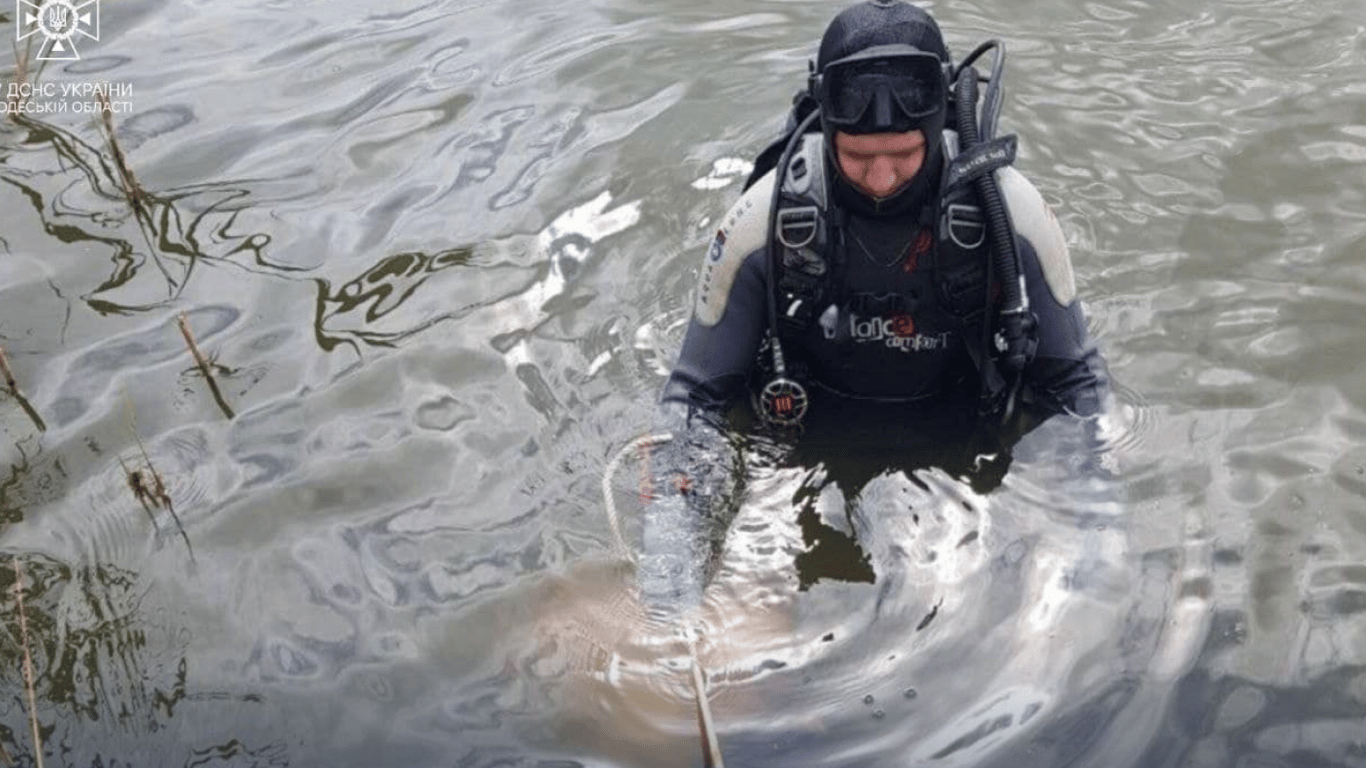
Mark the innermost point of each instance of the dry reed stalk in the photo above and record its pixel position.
(136, 194)
(141, 492)
(9, 375)
(138, 199)
(22, 72)
(204, 367)
(156, 493)
(13, 386)
(184, 322)
(28, 664)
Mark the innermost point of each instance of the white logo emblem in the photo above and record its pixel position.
(60, 22)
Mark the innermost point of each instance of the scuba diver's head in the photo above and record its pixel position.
(883, 69)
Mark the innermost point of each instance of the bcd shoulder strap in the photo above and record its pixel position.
(802, 233)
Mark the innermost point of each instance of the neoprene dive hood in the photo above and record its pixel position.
(883, 67)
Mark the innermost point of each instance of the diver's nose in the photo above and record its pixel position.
(881, 179)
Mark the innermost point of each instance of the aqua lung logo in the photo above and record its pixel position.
(60, 22)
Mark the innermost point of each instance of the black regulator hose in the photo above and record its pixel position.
(991, 106)
(997, 220)
(1014, 338)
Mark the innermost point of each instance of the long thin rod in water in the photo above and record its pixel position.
(711, 747)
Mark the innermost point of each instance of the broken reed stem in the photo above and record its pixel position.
(21, 75)
(157, 493)
(13, 386)
(184, 322)
(28, 664)
(203, 364)
(141, 492)
(129, 182)
(9, 375)
(137, 196)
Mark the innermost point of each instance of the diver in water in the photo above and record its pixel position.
(889, 291)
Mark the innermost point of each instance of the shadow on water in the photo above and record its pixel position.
(845, 451)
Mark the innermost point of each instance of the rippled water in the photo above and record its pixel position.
(442, 255)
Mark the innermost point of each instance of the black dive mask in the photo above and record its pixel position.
(882, 89)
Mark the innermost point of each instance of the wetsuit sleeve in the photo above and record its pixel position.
(1067, 372)
(693, 482)
(1067, 380)
(695, 475)
(716, 359)
(1069, 386)
(730, 315)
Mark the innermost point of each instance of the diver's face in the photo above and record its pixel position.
(879, 164)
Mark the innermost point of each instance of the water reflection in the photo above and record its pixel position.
(110, 668)
(420, 235)
(154, 246)
(952, 652)
(379, 292)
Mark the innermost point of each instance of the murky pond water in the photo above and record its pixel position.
(442, 255)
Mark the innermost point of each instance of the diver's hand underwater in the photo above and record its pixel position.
(674, 548)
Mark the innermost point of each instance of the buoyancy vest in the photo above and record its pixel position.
(902, 329)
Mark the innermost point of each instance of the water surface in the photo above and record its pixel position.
(443, 255)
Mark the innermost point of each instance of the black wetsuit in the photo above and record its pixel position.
(890, 361)
(892, 383)
(893, 364)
